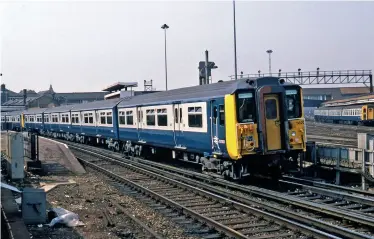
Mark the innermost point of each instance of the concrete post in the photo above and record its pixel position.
(302, 155)
(371, 158)
(337, 178)
(363, 183)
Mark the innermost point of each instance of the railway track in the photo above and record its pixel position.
(224, 215)
(348, 142)
(354, 191)
(360, 202)
(272, 202)
(336, 131)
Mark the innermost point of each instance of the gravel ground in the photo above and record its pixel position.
(88, 197)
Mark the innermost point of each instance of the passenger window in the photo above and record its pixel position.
(109, 119)
(102, 118)
(162, 117)
(151, 118)
(195, 117)
(221, 115)
(91, 118)
(122, 119)
(129, 118)
(271, 109)
(180, 115)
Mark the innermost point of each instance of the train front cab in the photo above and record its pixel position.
(265, 126)
(367, 115)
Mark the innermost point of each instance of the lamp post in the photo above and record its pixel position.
(166, 64)
(269, 52)
(236, 63)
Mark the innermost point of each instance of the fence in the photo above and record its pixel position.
(358, 160)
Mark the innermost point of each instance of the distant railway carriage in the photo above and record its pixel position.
(11, 120)
(355, 114)
(33, 119)
(233, 128)
(96, 121)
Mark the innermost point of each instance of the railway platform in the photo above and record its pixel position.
(57, 158)
(57, 162)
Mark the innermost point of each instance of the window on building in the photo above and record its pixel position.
(221, 115)
(162, 117)
(195, 117)
(151, 118)
(129, 117)
(109, 119)
(122, 117)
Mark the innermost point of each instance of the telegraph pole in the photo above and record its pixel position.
(166, 63)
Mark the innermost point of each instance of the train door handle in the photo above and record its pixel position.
(277, 123)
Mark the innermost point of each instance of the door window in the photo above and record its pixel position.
(271, 109)
(214, 114)
(221, 115)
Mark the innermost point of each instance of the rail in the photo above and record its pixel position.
(179, 174)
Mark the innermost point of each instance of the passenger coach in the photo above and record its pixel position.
(233, 128)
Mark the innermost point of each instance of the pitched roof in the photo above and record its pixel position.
(82, 95)
(354, 90)
(19, 102)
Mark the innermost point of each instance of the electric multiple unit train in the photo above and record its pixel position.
(233, 128)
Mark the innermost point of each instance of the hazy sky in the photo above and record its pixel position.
(85, 46)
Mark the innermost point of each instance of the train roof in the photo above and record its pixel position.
(187, 93)
(11, 113)
(97, 105)
(59, 109)
(198, 92)
(34, 111)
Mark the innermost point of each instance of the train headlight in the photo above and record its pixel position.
(293, 133)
